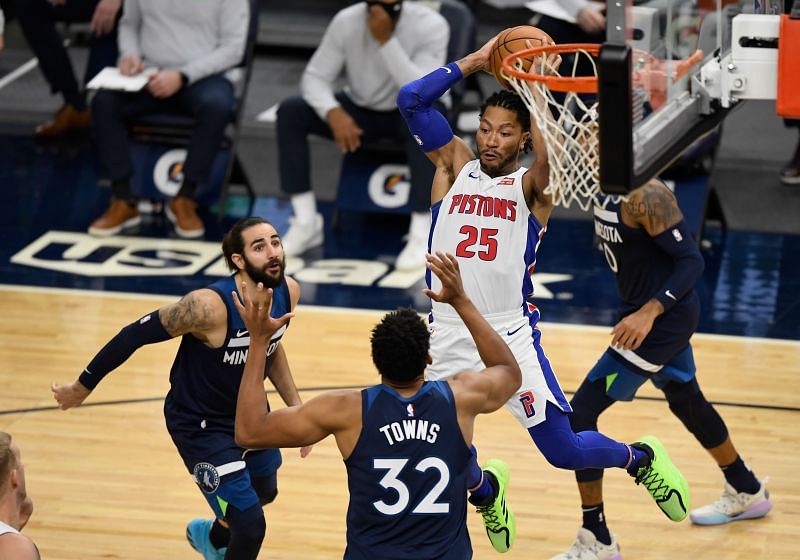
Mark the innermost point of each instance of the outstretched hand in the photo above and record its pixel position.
(255, 315)
(445, 267)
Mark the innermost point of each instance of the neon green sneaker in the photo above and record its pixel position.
(663, 481)
(497, 516)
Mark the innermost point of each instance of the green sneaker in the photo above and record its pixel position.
(497, 516)
(663, 481)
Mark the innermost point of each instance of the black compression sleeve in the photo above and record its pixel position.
(147, 330)
(678, 243)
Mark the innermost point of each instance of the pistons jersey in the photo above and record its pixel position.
(204, 381)
(485, 222)
(407, 478)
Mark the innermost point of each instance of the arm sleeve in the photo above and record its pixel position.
(325, 66)
(415, 101)
(128, 33)
(428, 54)
(677, 242)
(234, 23)
(147, 330)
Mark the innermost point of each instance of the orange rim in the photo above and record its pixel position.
(588, 84)
(581, 84)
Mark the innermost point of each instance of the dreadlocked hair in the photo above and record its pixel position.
(510, 101)
(400, 344)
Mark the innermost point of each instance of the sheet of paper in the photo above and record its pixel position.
(111, 78)
(554, 9)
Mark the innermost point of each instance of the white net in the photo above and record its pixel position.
(568, 122)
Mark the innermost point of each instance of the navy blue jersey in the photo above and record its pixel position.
(407, 478)
(205, 381)
(641, 267)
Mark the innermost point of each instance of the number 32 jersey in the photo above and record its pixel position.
(485, 222)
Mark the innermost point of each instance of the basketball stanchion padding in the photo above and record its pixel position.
(787, 102)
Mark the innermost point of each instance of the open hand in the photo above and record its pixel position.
(105, 16)
(255, 312)
(445, 267)
(346, 133)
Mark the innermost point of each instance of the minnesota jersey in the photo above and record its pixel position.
(205, 381)
(641, 267)
(485, 222)
(407, 478)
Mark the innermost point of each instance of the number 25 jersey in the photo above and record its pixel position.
(485, 222)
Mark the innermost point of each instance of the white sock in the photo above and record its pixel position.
(420, 225)
(305, 207)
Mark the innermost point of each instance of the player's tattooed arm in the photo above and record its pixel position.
(652, 207)
(196, 312)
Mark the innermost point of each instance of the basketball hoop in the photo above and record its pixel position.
(568, 120)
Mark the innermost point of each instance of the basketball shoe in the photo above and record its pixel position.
(198, 533)
(497, 516)
(587, 547)
(663, 481)
(734, 506)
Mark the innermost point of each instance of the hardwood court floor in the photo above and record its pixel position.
(107, 482)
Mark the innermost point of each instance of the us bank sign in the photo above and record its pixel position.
(82, 254)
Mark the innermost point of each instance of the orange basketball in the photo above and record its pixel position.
(512, 40)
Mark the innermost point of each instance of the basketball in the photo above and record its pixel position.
(515, 39)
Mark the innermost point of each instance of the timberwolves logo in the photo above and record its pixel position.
(206, 477)
(389, 185)
(168, 171)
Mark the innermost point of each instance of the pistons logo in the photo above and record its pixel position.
(206, 477)
(527, 401)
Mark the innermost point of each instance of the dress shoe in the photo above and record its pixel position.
(119, 215)
(182, 211)
(68, 118)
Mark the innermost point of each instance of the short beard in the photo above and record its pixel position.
(262, 276)
(503, 167)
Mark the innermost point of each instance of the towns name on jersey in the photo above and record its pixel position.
(607, 233)
(81, 254)
(413, 428)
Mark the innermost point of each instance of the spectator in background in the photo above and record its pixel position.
(2, 29)
(38, 18)
(15, 504)
(189, 47)
(380, 45)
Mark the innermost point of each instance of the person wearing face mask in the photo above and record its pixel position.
(376, 46)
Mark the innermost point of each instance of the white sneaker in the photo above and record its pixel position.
(300, 237)
(587, 547)
(412, 257)
(733, 506)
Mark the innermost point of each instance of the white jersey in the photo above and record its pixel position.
(5, 528)
(485, 222)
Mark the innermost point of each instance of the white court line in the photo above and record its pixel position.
(21, 71)
(369, 312)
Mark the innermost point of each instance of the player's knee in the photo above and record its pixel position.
(587, 404)
(689, 404)
(266, 488)
(562, 451)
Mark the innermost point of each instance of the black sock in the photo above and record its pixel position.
(595, 521)
(75, 98)
(740, 477)
(219, 535)
(475, 500)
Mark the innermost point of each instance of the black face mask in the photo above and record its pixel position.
(393, 9)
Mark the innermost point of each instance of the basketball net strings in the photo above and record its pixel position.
(569, 126)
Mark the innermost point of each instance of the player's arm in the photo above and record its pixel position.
(18, 547)
(491, 388)
(279, 372)
(430, 128)
(198, 312)
(654, 208)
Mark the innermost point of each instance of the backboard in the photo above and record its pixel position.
(707, 56)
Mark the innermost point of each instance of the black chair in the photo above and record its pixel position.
(171, 129)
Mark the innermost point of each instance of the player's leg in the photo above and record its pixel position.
(541, 408)
(744, 496)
